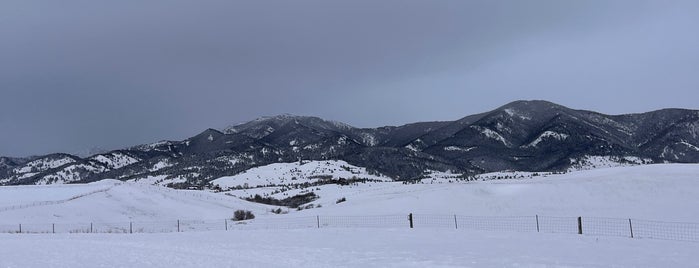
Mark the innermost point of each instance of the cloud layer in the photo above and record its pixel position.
(80, 74)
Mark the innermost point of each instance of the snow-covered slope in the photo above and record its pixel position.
(114, 201)
(44, 164)
(296, 173)
(660, 192)
(37, 166)
(115, 160)
(596, 161)
(69, 173)
(666, 192)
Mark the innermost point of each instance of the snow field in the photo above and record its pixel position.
(664, 192)
(655, 192)
(122, 203)
(295, 173)
(341, 248)
(30, 194)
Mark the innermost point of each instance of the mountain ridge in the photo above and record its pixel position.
(521, 135)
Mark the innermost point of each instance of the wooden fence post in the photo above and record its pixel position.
(579, 225)
(537, 223)
(131, 227)
(410, 219)
(318, 221)
(456, 224)
(20, 228)
(90, 227)
(178, 226)
(225, 221)
(53, 228)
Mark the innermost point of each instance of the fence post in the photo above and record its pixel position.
(20, 228)
(131, 227)
(631, 228)
(225, 221)
(410, 219)
(579, 225)
(53, 228)
(456, 224)
(90, 227)
(318, 221)
(178, 226)
(537, 223)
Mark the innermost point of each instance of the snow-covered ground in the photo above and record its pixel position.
(663, 192)
(114, 201)
(659, 192)
(296, 173)
(341, 248)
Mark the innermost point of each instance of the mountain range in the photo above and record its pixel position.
(522, 135)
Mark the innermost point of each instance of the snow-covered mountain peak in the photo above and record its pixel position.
(263, 126)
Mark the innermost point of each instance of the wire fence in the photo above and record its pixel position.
(594, 226)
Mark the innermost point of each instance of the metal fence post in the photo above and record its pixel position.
(579, 225)
(53, 228)
(225, 221)
(456, 224)
(20, 228)
(178, 226)
(90, 227)
(318, 221)
(131, 227)
(537, 223)
(410, 219)
(631, 228)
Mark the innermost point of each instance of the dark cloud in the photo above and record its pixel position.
(79, 74)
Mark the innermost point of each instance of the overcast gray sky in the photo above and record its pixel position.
(77, 74)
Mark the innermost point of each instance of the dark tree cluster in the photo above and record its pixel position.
(292, 202)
